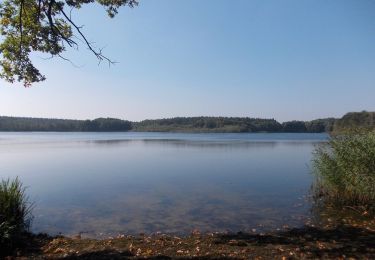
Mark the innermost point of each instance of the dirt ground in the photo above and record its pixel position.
(339, 242)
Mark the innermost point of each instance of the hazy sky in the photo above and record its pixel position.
(290, 59)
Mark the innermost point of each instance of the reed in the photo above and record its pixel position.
(15, 214)
(344, 170)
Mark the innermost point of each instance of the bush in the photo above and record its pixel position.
(345, 170)
(15, 214)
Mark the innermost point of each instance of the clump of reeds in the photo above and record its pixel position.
(345, 170)
(15, 214)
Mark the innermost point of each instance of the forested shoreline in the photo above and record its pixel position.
(191, 124)
(15, 124)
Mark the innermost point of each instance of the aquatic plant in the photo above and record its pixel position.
(15, 213)
(345, 170)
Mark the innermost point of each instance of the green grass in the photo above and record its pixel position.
(15, 214)
(345, 170)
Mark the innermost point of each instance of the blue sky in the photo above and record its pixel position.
(290, 59)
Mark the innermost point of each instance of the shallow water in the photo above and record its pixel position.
(112, 183)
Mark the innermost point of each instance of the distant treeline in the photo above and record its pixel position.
(231, 125)
(63, 125)
(191, 124)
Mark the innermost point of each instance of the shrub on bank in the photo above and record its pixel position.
(345, 170)
(15, 214)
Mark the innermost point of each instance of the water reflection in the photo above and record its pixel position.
(188, 143)
(131, 183)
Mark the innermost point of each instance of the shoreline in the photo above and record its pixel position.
(334, 242)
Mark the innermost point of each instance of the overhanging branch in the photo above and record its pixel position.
(98, 54)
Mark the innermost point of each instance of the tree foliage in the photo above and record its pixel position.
(233, 125)
(63, 125)
(209, 124)
(44, 26)
(192, 124)
(357, 121)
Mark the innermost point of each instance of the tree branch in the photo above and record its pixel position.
(68, 60)
(21, 27)
(53, 27)
(98, 54)
(39, 10)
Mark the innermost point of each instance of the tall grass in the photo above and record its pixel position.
(345, 170)
(15, 213)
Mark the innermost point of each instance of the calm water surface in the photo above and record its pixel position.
(112, 183)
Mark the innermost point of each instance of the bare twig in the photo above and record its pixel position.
(356, 210)
(98, 53)
(68, 60)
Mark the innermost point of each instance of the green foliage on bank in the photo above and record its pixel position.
(345, 170)
(364, 121)
(15, 214)
(209, 124)
(231, 124)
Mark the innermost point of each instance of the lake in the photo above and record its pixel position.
(105, 184)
